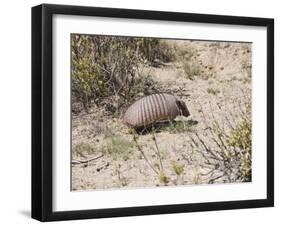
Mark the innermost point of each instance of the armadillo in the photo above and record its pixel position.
(154, 108)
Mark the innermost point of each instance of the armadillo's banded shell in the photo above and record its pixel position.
(151, 109)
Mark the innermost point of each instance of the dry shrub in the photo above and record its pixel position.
(190, 65)
(191, 69)
(228, 157)
(154, 49)
(83, 149)
(101, 67)
(109, 67)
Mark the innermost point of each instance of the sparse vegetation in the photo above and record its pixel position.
(228, 157)
(213, 145)
(83, 149)
(191, 69)
(246, 68)
(178, 168)
(156, 167)
(156, 50)
(213, 91)
(197, 178)
(163, 178)
(189, 62)
(118, 147)
(171, 126)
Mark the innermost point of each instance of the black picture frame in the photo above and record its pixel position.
(42, 111)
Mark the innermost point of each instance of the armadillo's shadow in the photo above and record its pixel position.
(168, 126)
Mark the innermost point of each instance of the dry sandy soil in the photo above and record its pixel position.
(165, 157)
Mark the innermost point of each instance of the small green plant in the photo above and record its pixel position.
(178, 168)
(191, 69)
(83, 149)
(182, 126)
(163, 178)
(241, 136)
(197, 178)
(213, 91)
(118, 147)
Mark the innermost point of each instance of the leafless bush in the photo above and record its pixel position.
(189, 62)
(157, 168)
(227, 158)
(156, 50)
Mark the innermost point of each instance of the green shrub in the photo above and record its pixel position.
(164, 179)
(101, 67)
(241, 136)
(108, 67)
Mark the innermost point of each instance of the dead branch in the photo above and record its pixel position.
(143, 154)
(76, 162)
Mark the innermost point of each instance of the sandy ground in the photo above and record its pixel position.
(219, 92)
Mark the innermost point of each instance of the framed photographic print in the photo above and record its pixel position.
(147, 112)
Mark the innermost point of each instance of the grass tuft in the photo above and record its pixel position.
(118, 148)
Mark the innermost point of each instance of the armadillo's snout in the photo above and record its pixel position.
(185, 111)
(183, 108)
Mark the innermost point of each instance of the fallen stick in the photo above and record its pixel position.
(75, 162)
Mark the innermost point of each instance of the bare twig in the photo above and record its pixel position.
(158, 152)
(143, 154)
(76, 162)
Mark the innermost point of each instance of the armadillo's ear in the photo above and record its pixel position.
(182, 107)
